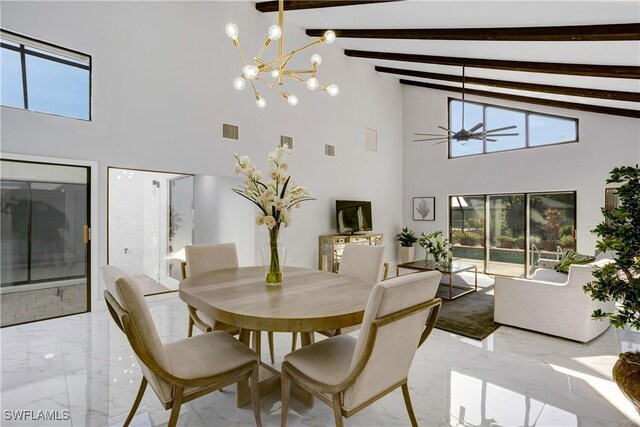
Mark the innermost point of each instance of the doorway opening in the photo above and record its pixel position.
(150, 221)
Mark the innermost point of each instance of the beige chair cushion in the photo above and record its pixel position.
(363, 261)
(327, 361)
(134, 303)
(397, 342)
(203, 258)
(207, 355)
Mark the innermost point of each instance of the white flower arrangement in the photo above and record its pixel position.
(275, 198)
(435, 244)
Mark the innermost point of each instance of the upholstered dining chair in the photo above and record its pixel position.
(182, 370)
(205, 258)
(350, 374)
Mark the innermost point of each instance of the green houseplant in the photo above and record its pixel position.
(619, 280)
(406, 238)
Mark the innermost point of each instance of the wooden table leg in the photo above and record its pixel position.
(243, 394)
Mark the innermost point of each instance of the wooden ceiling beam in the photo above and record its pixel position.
(607, 32)
(611, 95)
(272, 6)
(591, 70)
(530, 100)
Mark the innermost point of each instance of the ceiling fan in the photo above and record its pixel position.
(464, 135)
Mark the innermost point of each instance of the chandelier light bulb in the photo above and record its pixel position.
(333, 90)
(313, 83)
(232, 30)
(250, 71)
(292, 100)
(329, 36)
(275, 32)
(239, 83)
(316, 59)
(260, 102)
(275, 74)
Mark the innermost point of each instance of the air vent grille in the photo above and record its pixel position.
(329, 150)
(286, 140)
(371, 140)
(229, 131)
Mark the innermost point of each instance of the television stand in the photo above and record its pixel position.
(331, 246)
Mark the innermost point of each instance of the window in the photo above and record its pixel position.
(41, 77)
(534, 129)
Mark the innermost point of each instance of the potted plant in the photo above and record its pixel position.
(552, 228)
(406, 238)
(437, 248)
(619, 280)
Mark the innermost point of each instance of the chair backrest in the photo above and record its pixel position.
(203, 258)
(363, 261)
(141, 333)
(397, 312)
(110, 274)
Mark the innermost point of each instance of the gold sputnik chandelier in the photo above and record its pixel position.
(273, 72)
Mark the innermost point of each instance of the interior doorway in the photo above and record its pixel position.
(45, 211)
(150, 220)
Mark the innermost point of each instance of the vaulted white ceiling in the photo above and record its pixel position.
(419, 14)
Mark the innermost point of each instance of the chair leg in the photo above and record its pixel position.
(175, 410)
(294, 341)
(407, 402)
(337, 409)
(190, 333)
(271, 352)
(134, 408)
(286, 387)
(255, 395)
(256, 343)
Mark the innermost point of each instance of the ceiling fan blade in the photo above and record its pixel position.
(445, 129)
(492, 140)
(476, 127)
(503, 134)
(431, 139)
(499, 129)
(438, 143)
(428, 134)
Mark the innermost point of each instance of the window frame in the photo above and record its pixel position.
(26, 46)
(527, 113)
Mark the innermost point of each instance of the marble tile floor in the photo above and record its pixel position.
(83, 364)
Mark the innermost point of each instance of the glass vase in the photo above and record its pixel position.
(430, 261)
(273, 259)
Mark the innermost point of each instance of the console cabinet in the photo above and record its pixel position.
(331, 246)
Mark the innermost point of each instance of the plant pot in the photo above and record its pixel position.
(406, 254)
(626, 373)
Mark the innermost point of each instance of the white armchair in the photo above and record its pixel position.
(552, 303)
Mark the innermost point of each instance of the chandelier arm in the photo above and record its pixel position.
(255, 91)
(281, 41)
(264, 46)
(236, 42)
(299, 72)
(295, 77)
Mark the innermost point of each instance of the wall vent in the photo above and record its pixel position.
(229, 131)
(286, 140)
(329, 150)
(371, 140)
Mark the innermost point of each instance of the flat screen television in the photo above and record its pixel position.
(353, 216)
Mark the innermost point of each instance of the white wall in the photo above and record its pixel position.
(605, 142)
(221, 216)
(162, 74)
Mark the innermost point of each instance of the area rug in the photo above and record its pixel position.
(470, 315)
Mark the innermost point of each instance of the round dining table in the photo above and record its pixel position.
(307, 301)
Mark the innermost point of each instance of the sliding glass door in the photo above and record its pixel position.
(45, 233)
(507, 234)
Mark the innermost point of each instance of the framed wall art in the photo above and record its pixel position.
(424, 208)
